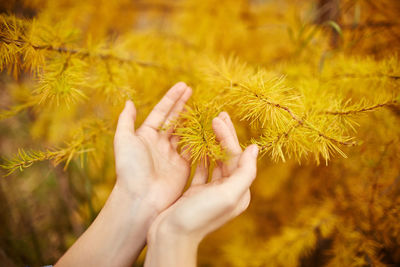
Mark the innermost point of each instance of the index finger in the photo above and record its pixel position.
(225, 133)
(160, 111)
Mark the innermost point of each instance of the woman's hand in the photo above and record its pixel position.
(147, 163)
(150, 176)
(204, 207)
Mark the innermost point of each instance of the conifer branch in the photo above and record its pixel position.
(276, 144)
(301, 122)
(276, 105)
(196, 134)
(80, 52)
(16, 109)
(78, 145)
(361, 110)
(333, 140)
(370, 24)
(357, 76)
(24, 159)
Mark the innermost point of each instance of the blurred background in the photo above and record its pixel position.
(344, 213)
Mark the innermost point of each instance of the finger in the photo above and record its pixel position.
(229, 142)
(225, 136)
(244, 175)
(174, 141)
(217, 172)
(186, 153)
(126, 120)
(177, 109)
(201, 174)
(227, 119)
(160, 112)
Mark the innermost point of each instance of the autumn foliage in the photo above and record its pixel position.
(314, 83)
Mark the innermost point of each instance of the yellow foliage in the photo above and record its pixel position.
(296, 241)
(308, 81)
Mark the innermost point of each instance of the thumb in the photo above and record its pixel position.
(245, 173)
(126, 120)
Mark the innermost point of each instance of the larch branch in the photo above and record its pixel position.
(300, 121)
(80, 52)
(356, 111)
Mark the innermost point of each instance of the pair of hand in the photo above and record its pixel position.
(150, 168)
(147, 201)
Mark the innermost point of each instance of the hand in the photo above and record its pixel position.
(147, 163)
(204, 207)
(150, 176)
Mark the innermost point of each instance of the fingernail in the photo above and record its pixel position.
(216, 120)
(254, 150)
(181, 84)
(223, 114)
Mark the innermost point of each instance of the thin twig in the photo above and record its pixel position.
(371, 24)
(281, 136)
(300, 121)
(355, 111)
(80, 52)
(355, 76)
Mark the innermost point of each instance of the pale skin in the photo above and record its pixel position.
(143, 157)
(151, 176)
(176, 233)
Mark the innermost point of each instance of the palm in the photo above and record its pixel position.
(204, 207)
(147, 161)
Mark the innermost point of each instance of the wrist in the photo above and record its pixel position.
(117, 235)
(134, 204)
(163, 233)
(168, 247)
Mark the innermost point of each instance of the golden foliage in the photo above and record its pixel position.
(304, 82)
(83, 142)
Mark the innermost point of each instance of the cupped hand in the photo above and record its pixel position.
(148, 165)
(204, 207)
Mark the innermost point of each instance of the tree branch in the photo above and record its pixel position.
(300, 121)
(355, 111)
(80, 52)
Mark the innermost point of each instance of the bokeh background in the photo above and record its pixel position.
(68, 65)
